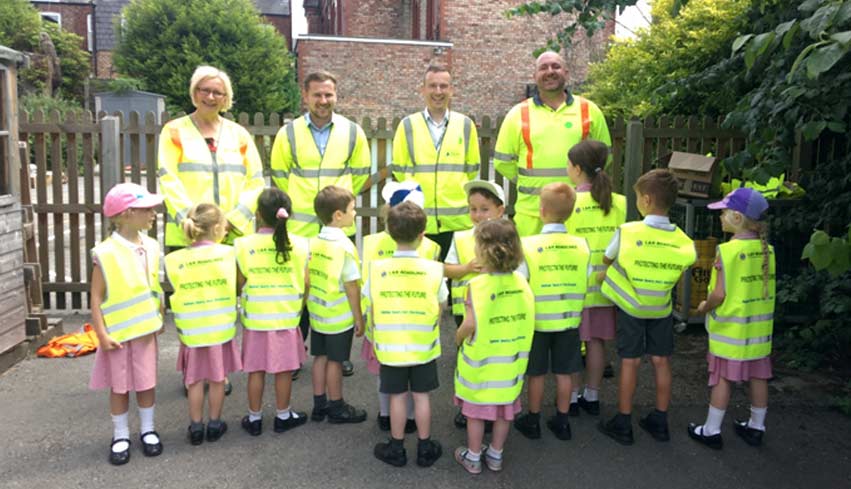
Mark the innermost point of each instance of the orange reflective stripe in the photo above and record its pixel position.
(524, 129)
(175, 136)
(586, 121)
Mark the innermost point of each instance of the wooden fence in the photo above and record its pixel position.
(68, 191)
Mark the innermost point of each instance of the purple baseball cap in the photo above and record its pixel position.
(128, 195)
(746, 200)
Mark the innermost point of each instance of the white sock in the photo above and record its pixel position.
(284, 414)
(757, 420)
(591, 394)
(146, 425)
(714, 418)
(574, 395)
(120, 430)
(473, 456)
(410, 405)
(494, 453)
(255, 415)
(383, 402)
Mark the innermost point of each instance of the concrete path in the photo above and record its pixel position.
(56, 433)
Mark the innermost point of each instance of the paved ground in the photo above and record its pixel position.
(56, 433)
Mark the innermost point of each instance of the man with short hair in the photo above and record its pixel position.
(319, 149)
(439, 149)
(533, 141)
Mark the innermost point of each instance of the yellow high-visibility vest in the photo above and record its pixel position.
(330, 312)
(491, 364)
(301, 171)
(558, 275)
(532, 145)
(649, 264)
(589, 222)
(273, 293)
(188, 174)
(378, 247)
(741, 327)
(441, 172)
(465, 246)
(204, 299)
(131, 308)
(405, 310)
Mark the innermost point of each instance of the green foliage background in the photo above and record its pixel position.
(20, 26)
(162, 42)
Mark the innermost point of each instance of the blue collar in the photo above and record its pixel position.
(537, 98)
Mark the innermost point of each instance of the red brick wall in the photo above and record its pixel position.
(284, 26)
(104, 65)
(73, 18)
(377, 18)
(371, 79)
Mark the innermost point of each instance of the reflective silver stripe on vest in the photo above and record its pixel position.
(447, 211)
(632, 301)
(759, 340)
(559, 297)
(129, 302)
(504, 156)
(245, 211)
(651, 292)
(446, 167)
(322, 172)
(409, 138)
(132, 321)
(337, 319)
(323, 302)
(258, 174)
(202, 168)
(489, 384)
(742, 319)
(209, 329)
(494, 359)
(557, 315)
(273, 298)
(457, 300)
(543, 172)
(422, 328)
(405, 348)
(468, 128)
(162, 171)
(594, 288)
(353, 134)
(280, 174)
(529, 190)
(290, 129)
(359, 171)
(270, 316)
(302, 217)
(204, 314)
(598, 268)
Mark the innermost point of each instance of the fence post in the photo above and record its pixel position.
(110, 156)
(632, 165)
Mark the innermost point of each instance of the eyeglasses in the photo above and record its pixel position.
(207, 92)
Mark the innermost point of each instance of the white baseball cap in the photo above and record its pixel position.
(488, 185)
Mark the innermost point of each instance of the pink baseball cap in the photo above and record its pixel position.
(126, 196)
(746, 200)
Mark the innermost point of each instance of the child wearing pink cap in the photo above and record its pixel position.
(127, 315)
(739, 312)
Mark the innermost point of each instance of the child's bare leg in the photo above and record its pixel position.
(195, 395)
(500, 433)
(595, 359)
(283, 390)
(146, 399)
(216, 399)
(759, 393)
(256, 383)
(318, 374)
(662, 370)
(719, 398)
(334, 380)
(626, 384)
(564, 386)
(535, 386)
(475, 434)
(398, 415)
(422, 414)
(119, 403)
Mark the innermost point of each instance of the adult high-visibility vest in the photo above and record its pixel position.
(491, 364)
(441, 171)
(741, 327)
(273, 293)
(465, 246)
(588, 221)
(330, 312)
(204, 299)
(405, 310)
(650, 261)
(300, 170)
(131, 307)
(558, 275)
(190, 174)
(378, 247)
(532, 145)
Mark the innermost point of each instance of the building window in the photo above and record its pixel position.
(54, 17)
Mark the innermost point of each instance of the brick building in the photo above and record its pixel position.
(381, 48)
(94, 20)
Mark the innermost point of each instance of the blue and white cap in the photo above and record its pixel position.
(394, 193)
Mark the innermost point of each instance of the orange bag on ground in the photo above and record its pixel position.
(74, 344)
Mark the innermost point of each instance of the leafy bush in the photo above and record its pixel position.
(20, 26)
(162, 42)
